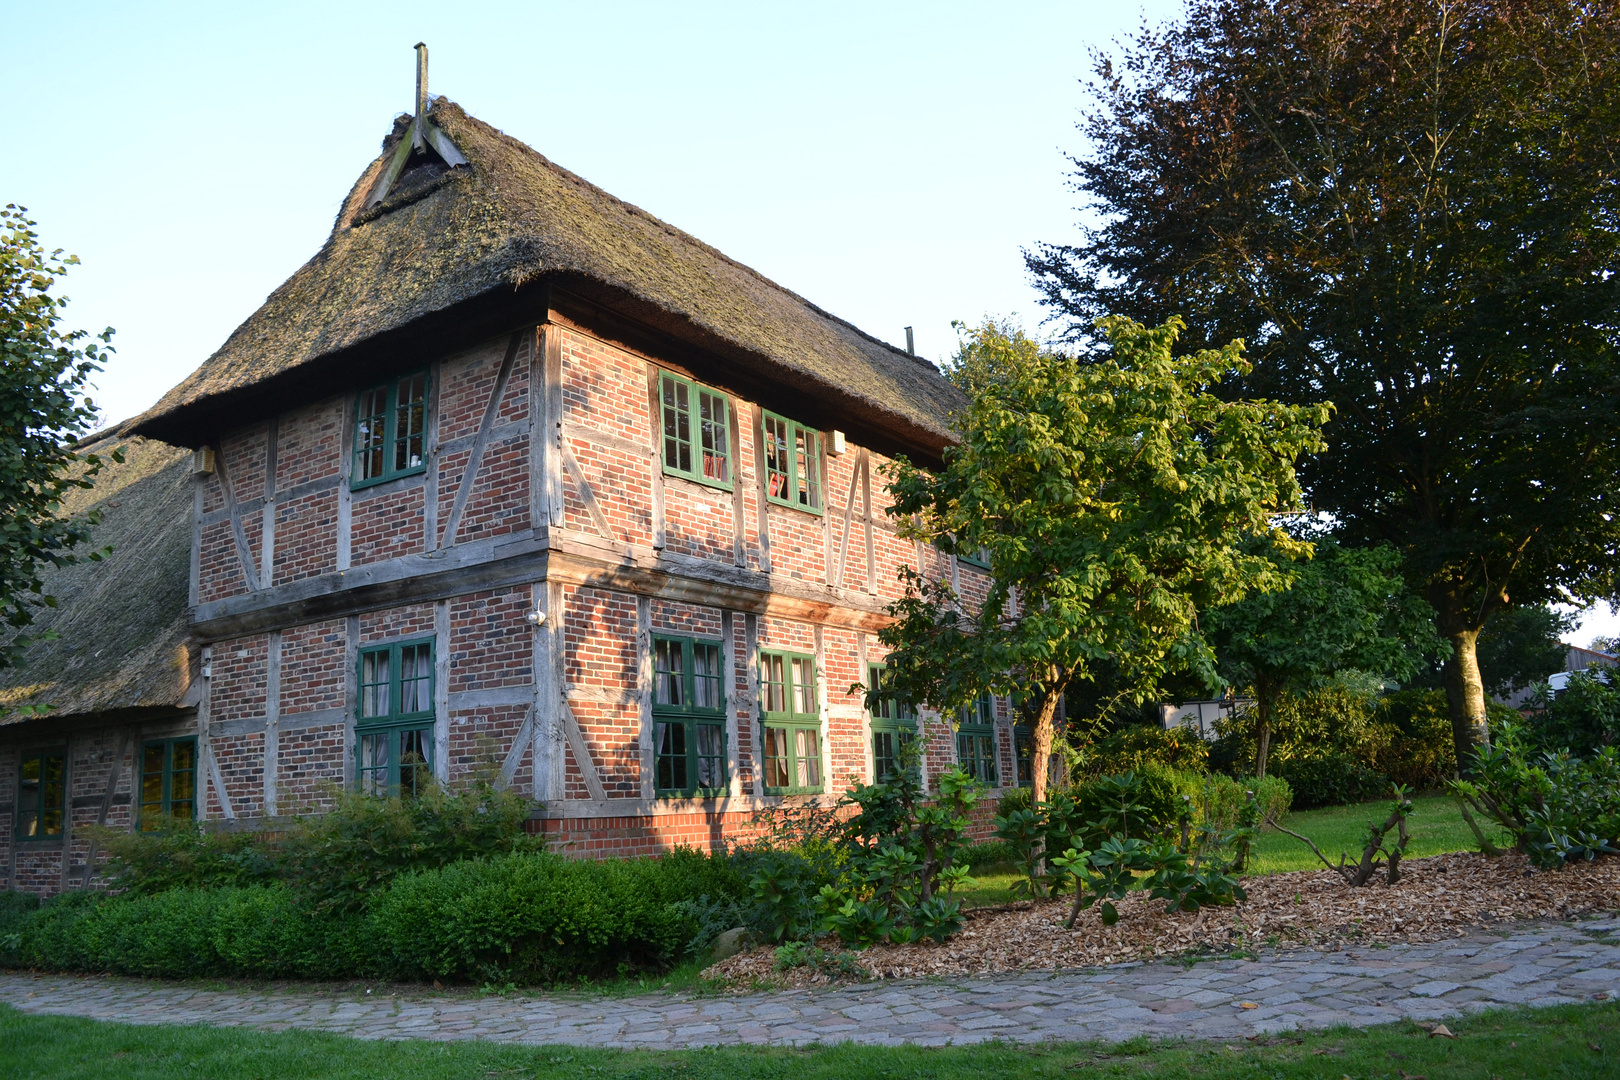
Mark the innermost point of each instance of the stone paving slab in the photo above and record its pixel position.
(1540, 964)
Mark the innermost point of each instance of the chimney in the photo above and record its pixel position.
(911, 343)
(421, 95)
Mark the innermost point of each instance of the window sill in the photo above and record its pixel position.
(378, 481)
(814, 511)
(701, 481)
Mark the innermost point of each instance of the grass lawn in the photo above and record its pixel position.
(1571, 1041)
(1436, 826)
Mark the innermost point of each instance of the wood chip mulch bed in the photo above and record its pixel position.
(1440, 897)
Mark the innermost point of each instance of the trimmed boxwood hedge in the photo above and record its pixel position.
(520, 918)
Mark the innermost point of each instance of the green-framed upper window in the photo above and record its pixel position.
(41, 794)
(894, 720)
(792, 723)
(979, 557)
(689, 716)
(697, 431)
(976, 739)
(168, 782)
(792, 464)
(394, 719)
(390, 430)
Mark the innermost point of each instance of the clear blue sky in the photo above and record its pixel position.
(888, 161)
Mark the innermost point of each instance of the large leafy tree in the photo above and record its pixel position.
(1409, 208)
(1115, 499)
(44, 371)
(1347, 609)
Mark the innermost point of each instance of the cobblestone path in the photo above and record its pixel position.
(1530, 964)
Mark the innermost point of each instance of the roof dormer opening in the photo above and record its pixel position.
(422, 158)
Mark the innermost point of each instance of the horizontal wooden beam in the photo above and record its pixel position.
(530, 556)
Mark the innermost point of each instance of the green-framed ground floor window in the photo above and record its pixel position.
(1024, 755)
(168, 782)
(394, 760)
(691, 755)
(888, 740)
(976, 752)
(792, 759)
(41, 794)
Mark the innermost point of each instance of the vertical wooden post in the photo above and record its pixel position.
(866, 498)
(345, 509)
(441, 691)
(551, 465)
(869, 762)
(821, 708)
(267, 516)
(739, 547)
(351, 697)
(656, 464)
(537, 429)
(272, 725)
(761, 479)
(751, 705)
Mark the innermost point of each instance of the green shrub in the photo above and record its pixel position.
(254, 931)
(1418, 751)
(536, 918)
(1136, 747)
(330, 860)
(1160, 796)
(1220, 800)
(1331, 779)
(1581, 718)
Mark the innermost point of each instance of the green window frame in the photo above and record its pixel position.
(792, 464)
(42, 785)
(390, 430)
(394, 718)
(979, 558)
(689, 716)
(894, 721)
(791, 721)
(976, 739)
(168, 782)
(697, 431)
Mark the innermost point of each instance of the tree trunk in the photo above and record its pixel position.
(1465, 693)
(1040, 765)
(1265, 705)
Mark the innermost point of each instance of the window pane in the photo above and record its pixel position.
(773, 688)
(776, 458)
(370, 434)
(706, 688)
(808, 466)
(804, 686)
(28, 798)
(374, 684)
(670, 739)
(808, 748)
(416, 679)
(52, 795)
(375, 763)
(668, 675)
(151, 785)
(183, 779)
(883, 754)
(1024, 753)
(711, 756)
(716, 437)
(677, 425)
(776, 757)
(415, 761)
(410, 422)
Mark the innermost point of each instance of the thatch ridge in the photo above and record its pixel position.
(511, 217)
(121, 623)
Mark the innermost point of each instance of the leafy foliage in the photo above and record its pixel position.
(1346, 609)
(44, 372)
(1556, 806)
(1116, 498)
(1405, 208)
(1582, 717)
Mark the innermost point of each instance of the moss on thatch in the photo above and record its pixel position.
(120, 624)
(511, 218)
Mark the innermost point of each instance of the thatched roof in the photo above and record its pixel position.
(510, 220)
(120, 623)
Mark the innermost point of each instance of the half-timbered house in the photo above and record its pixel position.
(513, 479)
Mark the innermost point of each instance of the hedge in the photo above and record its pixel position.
(520, 918)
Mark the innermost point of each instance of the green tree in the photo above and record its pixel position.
(44, 371)
(1347, 609)
(1407, 208)
(1115, 498)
